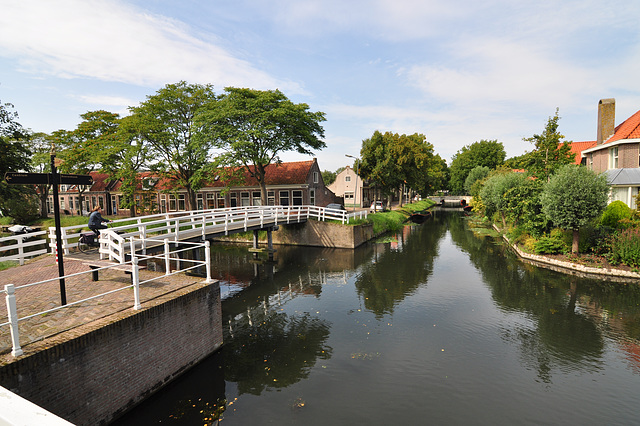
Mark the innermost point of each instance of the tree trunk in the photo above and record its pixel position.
(576, 240)
(43, 194)
(401, 194)
(504, 220)
(191, 198)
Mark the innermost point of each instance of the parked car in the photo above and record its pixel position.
(377, 206)
(336, 206)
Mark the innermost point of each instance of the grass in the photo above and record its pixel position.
(8, 264)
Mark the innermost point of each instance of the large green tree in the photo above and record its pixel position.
(16, 201)
(488, 153)
(574, 196)
(165, 121)
(493, 193)
(253, 127)
(551, 151)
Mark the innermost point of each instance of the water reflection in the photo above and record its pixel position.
(345, 336)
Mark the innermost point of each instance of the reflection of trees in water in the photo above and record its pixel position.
(397, 269)
(274, 351)
(562, 337)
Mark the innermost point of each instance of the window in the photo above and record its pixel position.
(256, 198)
(234, 199)
(94, 202)
(181, 204)
(172, 203)
(348, 196)
(312, 197)
(200, 201)
(284, 198)
(221, 200)
(297, 198)
(101, 201)
(347, 178)
(271, 198)
(211, 200)
(114, 204)
(163, 203)
(613, 158)
(244, 199)
(315, 177)
(62, 203)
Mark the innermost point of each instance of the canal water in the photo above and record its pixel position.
(440, 324)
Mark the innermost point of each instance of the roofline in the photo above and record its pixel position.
(610, 144)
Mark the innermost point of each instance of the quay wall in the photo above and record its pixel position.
(323, 234)
(96, 376)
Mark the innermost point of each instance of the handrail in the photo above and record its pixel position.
(198, 223)
(21, 244)
(10, 289)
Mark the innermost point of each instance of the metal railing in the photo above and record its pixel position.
(167, 256)
(23, 244)
(196, 224)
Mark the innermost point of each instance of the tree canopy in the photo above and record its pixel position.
(253, 127)
(574, 196)
(550, 152)
(165, 121)
(487, 153)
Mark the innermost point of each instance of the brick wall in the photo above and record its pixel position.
(95, 377)
(323, 234)
(628, 155)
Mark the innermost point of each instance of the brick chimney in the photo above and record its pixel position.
(606, 119)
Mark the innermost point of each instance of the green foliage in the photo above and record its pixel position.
(493, 193)
(549, 245)
(328, 177)
(524, 209)
(253, 127)
(22, 206)
(624, 247)
(550, 152)
(166, 122)
(476, 174)
(574, 196)
(490, 154)
(614, 213)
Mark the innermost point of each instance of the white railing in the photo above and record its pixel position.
(10, 290)
(23, 243)
(188, 225)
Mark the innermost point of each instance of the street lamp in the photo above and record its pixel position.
(355, 191)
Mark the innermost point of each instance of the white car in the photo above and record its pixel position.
(377, 206)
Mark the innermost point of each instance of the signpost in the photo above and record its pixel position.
(54, 179)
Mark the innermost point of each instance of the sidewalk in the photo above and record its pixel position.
(46, 296)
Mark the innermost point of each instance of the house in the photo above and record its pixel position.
(351, 187)
(616, 153)
(292, 183)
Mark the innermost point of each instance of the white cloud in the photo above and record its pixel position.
(112, 41)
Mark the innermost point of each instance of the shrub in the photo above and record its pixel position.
(614, 213)
(624, 247)
(550, 245)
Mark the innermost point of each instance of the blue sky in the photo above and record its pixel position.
(457, 71)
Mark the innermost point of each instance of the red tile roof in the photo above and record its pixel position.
(275, 174)
(578, 147)
(628, 129)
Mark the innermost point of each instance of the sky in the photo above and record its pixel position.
(457, 71)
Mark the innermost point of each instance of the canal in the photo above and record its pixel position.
(435, 325)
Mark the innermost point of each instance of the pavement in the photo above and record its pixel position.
(43, 330)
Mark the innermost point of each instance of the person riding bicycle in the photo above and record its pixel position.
(96, 221)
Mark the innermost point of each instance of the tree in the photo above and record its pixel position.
(493, 193)
(328, 177)
(490, 154)
(377, 165)
(574, 196)
(15, 200)
(166, 121)
(478, 173)
(253, 127)
(550, 151)
(41, 163)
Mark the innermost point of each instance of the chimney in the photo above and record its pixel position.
(606, 119)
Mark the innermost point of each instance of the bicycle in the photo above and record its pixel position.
(88, 241)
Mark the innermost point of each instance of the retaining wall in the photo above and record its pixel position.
(323, 234)
(96, 376)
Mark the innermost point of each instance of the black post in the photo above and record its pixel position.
(56, 212)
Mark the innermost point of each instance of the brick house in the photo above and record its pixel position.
(616, 153)
(292, 183)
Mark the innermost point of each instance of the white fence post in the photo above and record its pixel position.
(207, 258)
(12, 312)
(167, 258)
(135, 277)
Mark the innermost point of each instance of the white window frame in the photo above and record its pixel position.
(613, 157)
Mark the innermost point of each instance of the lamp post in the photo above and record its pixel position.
(355, 191)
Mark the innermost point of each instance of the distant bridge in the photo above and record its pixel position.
(452, 200)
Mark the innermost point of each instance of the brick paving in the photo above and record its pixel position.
(42, 297)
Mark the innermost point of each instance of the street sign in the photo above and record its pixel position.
(19, 178)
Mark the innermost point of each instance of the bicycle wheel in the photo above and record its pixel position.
(83, 247)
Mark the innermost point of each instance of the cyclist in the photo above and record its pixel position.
(96, 221)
